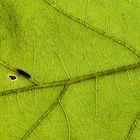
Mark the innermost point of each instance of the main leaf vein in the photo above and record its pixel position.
(74, 80)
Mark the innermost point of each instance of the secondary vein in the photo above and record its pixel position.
(99, 31)
(133, 126)
(45, 114)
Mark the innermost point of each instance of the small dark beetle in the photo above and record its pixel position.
(21, 72)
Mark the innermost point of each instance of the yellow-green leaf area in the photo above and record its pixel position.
(70, 70)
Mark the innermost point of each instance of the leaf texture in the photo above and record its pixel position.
(80, 70)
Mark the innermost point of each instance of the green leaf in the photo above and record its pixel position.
(76, 69)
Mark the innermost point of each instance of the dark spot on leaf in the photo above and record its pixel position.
(12, 77)
(23, 73)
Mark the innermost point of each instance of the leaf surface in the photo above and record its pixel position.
(84, 61)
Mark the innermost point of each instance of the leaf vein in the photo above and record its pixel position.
(99, 31)
(133, 126)
(45, 114)
(75, 80)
